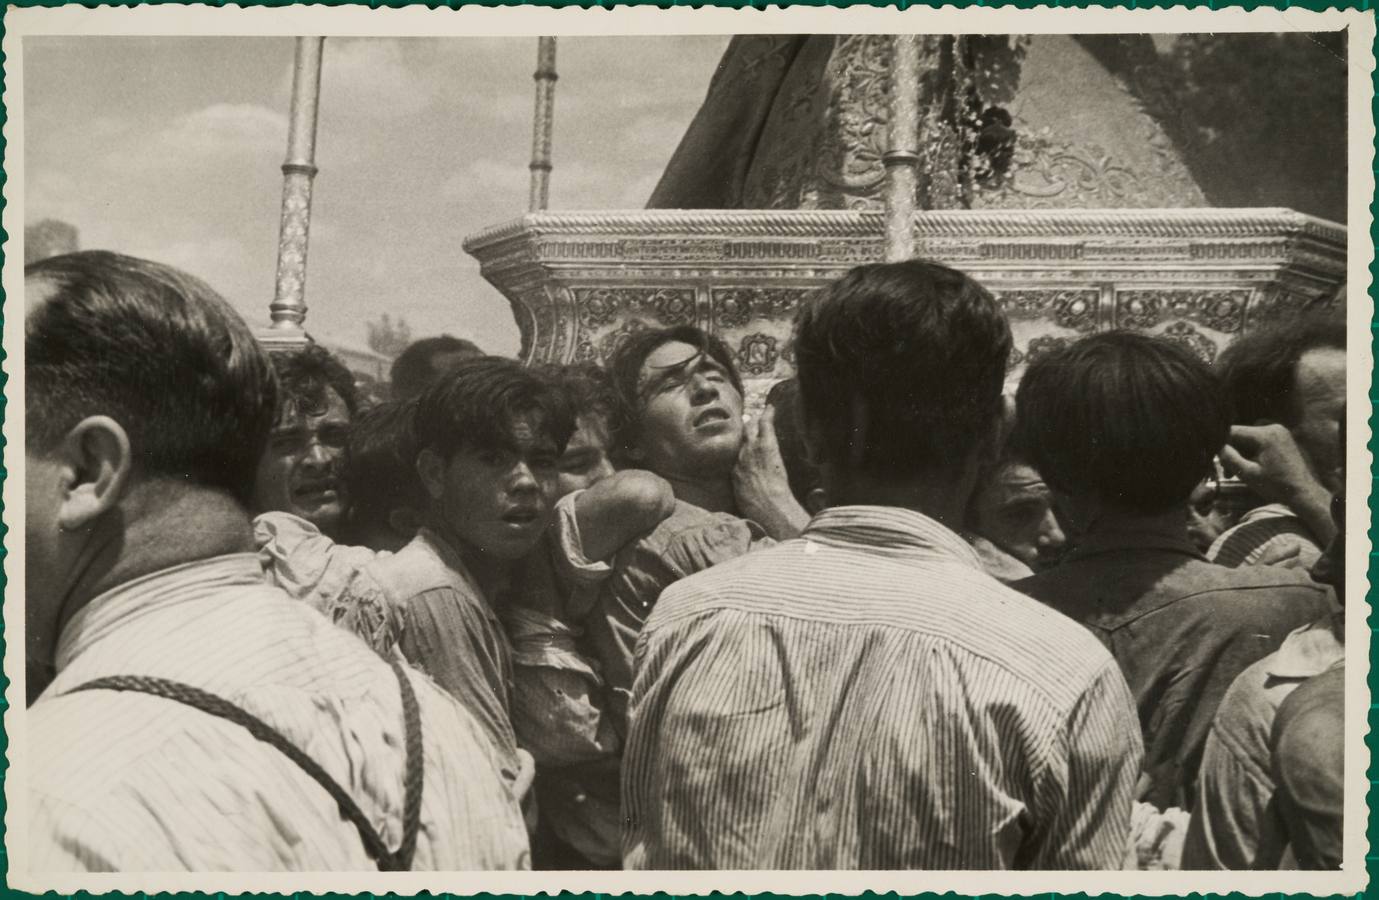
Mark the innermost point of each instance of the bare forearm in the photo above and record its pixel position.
(620, 509)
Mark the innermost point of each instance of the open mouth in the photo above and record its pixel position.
(320, 490)
(709, 416)
(522, 516)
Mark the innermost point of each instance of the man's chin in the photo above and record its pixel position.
(326, 517)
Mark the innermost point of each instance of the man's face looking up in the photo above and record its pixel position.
(1320, 393)
(691, 418)
(299, 472)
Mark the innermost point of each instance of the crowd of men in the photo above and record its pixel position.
(582, 617)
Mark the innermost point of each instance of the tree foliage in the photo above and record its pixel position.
(1262, 117)
(389, 337)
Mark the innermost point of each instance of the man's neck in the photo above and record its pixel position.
(941, 498)
(158, 527)
(712, 494)
(492, 575)
(1170, 525)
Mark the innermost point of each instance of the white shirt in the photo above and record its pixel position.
(129, 782)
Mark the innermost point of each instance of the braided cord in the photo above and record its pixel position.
(387, 860)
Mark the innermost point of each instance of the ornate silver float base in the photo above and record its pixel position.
(580, 282)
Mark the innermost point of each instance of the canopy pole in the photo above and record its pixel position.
(545, 78)
(287, 312)
(901, 158)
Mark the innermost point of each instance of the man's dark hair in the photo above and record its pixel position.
(380, 463)
(921, 348)
(588, 388)
(306, 375)
(474, 403)
(625, 369)
(804, 476)
(412, 371)
(1129, 419)
(158, 351)
(1259, 370)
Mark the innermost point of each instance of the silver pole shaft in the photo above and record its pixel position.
(287, 312)
(902, 155)
(543, 124)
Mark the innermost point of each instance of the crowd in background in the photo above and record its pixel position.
(573, 616)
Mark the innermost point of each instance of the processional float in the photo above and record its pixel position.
(1076, 212)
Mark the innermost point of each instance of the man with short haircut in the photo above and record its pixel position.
(680, 415)
(488, 435)
(426, 360)
(865, 696)
(174, 695)
(1123, 427)
(299, 472)
(1291, 374)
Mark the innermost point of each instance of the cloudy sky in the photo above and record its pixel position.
(169, 148)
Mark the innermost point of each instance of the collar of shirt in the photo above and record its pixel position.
(158, 590)
(888, 528)
(451, 559)
(1111, 540)
(1310, 650)
(1267, 511)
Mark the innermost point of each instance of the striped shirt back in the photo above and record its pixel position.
(865, 697)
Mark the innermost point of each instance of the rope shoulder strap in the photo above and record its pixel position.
(387, 860)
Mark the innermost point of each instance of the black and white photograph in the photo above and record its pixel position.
(681, 450)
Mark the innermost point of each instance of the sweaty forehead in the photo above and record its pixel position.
(671, 358)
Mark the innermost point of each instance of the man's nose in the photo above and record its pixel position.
(703, 390)
(522, 479)
(1050, 533)
(317, 455)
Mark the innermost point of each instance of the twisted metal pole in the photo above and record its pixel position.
(287, 312)
(543, 124)
(901, 158)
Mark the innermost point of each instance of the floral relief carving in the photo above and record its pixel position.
(735, 307)
(1074, 309)
(757, 354)
(1221, 310)
(599, 307)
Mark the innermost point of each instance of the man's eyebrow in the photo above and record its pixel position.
(662, 374)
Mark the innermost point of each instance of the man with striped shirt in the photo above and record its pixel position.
(184, 714)
(865, 696)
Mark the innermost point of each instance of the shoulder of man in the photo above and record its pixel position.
(693, 539)
(413, 570)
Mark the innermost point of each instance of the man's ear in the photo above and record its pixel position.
(431, 471)
(97, 469)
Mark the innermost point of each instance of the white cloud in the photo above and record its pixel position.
(486, 180)
(221, 130)
(51, 195)
(372, 78)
